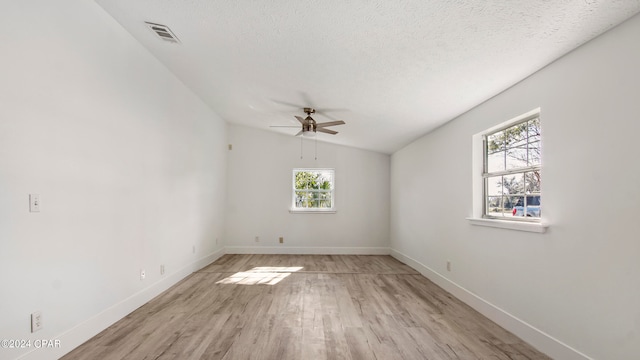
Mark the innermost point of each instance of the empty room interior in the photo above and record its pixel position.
(217, 179)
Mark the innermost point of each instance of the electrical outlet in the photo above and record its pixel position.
(34, 202)
(143, 274)
(161, 269)
(193, 249)
(36, 321)
(281, 239)
(257, 238)
(448, 265)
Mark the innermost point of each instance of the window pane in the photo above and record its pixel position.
(534, 153)
(516, 158)
(494, 186)
(516, 201)
(495, 142)
(495, 162)
(532, 184)
(494, 206)
(533, 200)
(533, 130)
(326, 203)
(532, 208)
(305, 179)
(517, 142)
(513, 184)
(302, 199)
(512, 137)
(501, 205)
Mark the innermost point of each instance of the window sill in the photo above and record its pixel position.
(296, 211)
(511, 225)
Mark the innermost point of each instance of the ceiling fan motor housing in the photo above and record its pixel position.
(311, 124)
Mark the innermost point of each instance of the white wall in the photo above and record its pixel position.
(129, 164)
(259, 196)
(579, 282)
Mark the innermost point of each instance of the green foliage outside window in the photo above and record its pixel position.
(313, 189)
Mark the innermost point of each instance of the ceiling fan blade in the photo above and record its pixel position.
(302, 121)
(324, 112)
(287, 103)
(327, 131)
(330, 123)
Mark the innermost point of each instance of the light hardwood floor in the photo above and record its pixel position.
(305, 307)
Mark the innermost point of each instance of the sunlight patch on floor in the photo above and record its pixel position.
(261, 275)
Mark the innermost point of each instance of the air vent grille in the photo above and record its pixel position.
(163, 32)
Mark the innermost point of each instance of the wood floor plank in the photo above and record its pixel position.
(305, 307)
(313, 343)
(382, 337)
(359, 347)
(335, 340)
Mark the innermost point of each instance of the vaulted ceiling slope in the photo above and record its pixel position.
(393, 70)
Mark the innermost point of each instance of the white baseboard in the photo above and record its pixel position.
(79, 334)
(535, 337)
(307, 250)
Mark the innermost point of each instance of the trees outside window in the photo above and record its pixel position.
(313, 189)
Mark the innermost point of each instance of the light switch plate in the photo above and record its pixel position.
(34, 202)
(36, 321)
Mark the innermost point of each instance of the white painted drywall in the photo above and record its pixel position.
(259, 196)
(578, 282)
(129, 164)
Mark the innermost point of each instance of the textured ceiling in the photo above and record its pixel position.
(393, 70)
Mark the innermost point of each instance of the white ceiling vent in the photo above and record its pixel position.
(163, 32)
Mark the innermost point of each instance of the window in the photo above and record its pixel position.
(511, 170)
(313, 190)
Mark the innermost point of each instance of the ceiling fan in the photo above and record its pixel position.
(310, 126)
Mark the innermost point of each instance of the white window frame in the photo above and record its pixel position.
(329, 210)
(479, 184)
